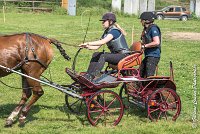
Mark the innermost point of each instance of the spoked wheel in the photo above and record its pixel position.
(105, 107)
(75, 105)
(163, 103)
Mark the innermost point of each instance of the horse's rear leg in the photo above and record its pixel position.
(26, 93)
(37, 93)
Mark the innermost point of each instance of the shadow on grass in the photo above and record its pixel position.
(6, 109)
(134, 110)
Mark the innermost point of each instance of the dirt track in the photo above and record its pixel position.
(184, 36)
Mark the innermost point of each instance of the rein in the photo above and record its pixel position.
(21, 87)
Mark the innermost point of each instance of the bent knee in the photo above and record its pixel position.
(38, 93)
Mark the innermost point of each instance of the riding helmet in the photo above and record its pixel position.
(109, 16)
(148, 16)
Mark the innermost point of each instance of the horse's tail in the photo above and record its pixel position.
(57, 44)
(59, 47)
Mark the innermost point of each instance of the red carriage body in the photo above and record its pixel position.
(157, 94)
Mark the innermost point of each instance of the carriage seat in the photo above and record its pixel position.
(133, 59)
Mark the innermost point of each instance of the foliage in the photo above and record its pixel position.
(194, 16)
(94, 3)
(185, 1)
(93, 11)
(59, 11)
(11, 8)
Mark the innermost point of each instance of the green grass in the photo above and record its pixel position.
(49, 116)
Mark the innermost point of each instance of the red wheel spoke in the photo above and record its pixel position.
(171, 105)
(113, 109)
(98, 117)
(105, 118)
(98, 103)
(153, 110)
(159, 115)
(95, 111)
(168, 96)
(111, 102)
(161, 97)
(109, 113)
(165, 115)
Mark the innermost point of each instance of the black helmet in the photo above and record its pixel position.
(148, 16)
(108, 16)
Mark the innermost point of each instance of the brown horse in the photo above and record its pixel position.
(30, 53)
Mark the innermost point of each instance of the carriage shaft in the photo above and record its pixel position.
(46, 83)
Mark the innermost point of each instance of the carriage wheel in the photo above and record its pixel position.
(75, 105)
(105, 107)
(163, 103)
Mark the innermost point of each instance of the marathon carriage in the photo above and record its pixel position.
(157, 94)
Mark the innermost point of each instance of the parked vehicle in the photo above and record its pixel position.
(173, 12)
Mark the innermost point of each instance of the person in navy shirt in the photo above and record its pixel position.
(113, 37)
(151, 40)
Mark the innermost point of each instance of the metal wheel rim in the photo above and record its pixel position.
(184, 18)
(159, 17)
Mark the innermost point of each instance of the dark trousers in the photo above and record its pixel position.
(148, 66)
(98, 61)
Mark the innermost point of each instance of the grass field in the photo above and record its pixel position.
(49, 115)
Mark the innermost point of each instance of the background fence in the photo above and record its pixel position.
(44, 5)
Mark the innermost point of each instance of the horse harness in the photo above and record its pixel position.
(29, 45)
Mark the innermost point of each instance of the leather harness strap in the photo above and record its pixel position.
(29, 44)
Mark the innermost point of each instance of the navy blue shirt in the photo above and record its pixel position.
(154, 51)
(115, 33)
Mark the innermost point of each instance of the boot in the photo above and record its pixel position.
(88, 76)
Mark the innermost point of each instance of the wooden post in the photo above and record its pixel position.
(33, 5)
(4, 15)
(65, 4)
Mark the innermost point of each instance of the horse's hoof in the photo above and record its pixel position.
(8, 123)
(22, 120)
